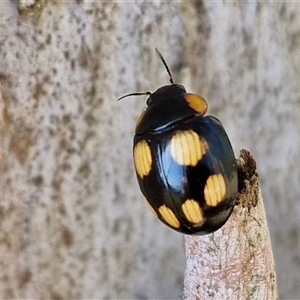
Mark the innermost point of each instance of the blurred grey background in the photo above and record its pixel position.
(72, 220)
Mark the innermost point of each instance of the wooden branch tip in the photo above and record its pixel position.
(236, 261)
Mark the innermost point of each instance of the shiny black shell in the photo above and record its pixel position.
(167, 184)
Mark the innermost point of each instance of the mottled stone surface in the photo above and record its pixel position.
(72, 220)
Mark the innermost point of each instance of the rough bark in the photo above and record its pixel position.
(235, 262)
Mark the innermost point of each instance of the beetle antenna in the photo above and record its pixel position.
(165, 64)
(135, 94)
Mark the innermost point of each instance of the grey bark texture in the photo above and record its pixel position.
(72, 220)
(235, 262)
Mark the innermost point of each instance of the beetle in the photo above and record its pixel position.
(184, 161)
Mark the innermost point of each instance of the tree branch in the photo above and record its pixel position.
(235, 262)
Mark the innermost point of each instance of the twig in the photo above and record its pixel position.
(235, 262)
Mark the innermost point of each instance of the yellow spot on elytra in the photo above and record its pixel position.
(142, 158)
(196, 102)
(168, 216)
(215, 189)
(187, 148)
(192, 211)
(150, 206)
